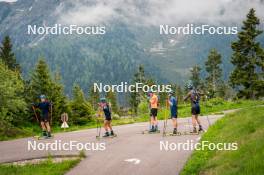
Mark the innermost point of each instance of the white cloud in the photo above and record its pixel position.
(156, 12)
(8, 0)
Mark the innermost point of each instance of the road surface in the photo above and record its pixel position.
(130, 153)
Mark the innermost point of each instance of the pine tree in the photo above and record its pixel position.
(248, 60)
(111, 97)
(136, 97)
(94, 98)
(60, 102)
(195, 76)
(81, 109)
(214, 73)
(7, 55)
(179, 94)
(41, 81)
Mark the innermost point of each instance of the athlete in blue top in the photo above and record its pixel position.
(194, 96)
(173, 109)
(45, 108)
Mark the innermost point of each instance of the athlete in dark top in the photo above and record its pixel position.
(194, 96)
(106, 108)
(173, 109)
(45, 108)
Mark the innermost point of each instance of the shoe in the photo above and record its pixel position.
(156, 128)
(49, 135)
(194, 130)
(106, 134)
(112, 133)
(44, 134)
(175, 131)
(200, 128)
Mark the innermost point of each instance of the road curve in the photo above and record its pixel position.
(129, 153)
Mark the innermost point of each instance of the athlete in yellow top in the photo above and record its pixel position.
(153, 111)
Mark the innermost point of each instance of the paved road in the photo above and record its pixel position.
(130, 144)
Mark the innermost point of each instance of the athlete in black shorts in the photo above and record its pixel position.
(45, 108)
(106, 108)
(194, 96)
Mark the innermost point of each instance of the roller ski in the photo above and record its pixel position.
(44, 136)
(195, 132)
(153, 130)
(108, 135)
(174, 133)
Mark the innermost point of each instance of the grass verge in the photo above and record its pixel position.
(43, 168)
(244, 127)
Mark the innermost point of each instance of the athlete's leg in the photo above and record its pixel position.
(198, 122)
(197, 119)
(106, 128)
(47, 126)
(43, 126)
(174, 122)
(106, 125)
(194, 123)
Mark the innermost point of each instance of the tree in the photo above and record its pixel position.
(81, 109)
(7, 55)
(12, 105)
(214, 73)
(195, 76)
(248, 60)
(41, 81)
(59, 100)
(179, 94)
(94, 98)
(136, 97)
(111, 96)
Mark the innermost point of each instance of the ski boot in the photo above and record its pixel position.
(174, 131)
(152, 129)
(49, 135)
(200, 128)
(112, 133)
(194, 131)
(156, 129)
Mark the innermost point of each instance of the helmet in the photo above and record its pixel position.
(190, 85)
(102, 99)
(171, 93)
(42, 96)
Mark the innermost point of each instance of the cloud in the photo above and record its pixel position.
(8, 0)
(156, 12)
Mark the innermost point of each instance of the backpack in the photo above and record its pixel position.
(195, 97)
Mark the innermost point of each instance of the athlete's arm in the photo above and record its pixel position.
(188, 96)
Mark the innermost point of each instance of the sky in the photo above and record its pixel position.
(8, 0)
(156, 12)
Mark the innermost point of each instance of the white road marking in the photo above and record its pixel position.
(135, 160)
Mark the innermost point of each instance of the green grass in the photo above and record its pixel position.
(245, 127)
(214, 106)
(208, 107)
(44, 168)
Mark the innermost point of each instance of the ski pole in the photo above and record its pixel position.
(35, 113)
(209, 123)
(50, 113)
(165, 119)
